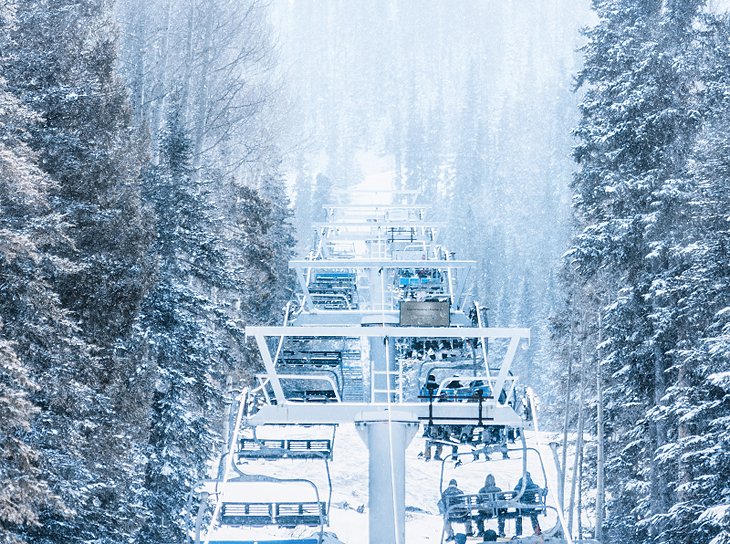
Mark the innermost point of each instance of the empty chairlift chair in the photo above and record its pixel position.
(333, 290)
(262, 511)
(286, 448)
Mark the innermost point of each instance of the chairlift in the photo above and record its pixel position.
(510, 504)
(289, 442)
(310, 370)
(255, 509)
(322, 386)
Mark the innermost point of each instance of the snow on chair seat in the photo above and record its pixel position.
(285, 514)
(300, 513)
(314, 445)
(247, 513)
(313, 395)
(252, 448)
(316, 358)
(335, 277)
(258, 541)
(322, 386)
(332, 301)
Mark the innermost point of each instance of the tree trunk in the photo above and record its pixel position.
(203, 94)
(600, 452)
(188, 78)
(658, 488)
(579, 507)
(137, 83)
(566, 418)
(162, 90)
(579, 438)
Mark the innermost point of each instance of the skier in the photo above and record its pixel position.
(531, 495)
(427, 394)
(488, 495)
(428, 390)
(450, 508)
(432, 432)
(439, 434)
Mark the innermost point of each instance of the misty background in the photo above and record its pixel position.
(470, 103)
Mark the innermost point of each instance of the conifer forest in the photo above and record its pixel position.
(161, 161)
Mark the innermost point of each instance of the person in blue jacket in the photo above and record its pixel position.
(428, 390)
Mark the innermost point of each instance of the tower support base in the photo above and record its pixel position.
(387, 441)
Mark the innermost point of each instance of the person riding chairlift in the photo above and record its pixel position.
(452, 511)
(531, 495)
(487, 497)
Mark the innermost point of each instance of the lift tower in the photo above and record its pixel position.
(382, 303)
(379, 276)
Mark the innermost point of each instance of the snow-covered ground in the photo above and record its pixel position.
(349, 504)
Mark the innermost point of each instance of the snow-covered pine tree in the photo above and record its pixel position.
(280, 236)
(698, 285)
(321, 195)
(59, 60)
(255, 229)
(23, 490)
(414, 146)
(638, 117)
(65, 67)
(464, 207)
(32, 325)
(433, 158)
(303, 205)
(179, 324)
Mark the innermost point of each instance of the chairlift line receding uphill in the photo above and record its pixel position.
(384, 336)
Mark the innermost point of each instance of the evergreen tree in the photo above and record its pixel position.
(698, 293)
(639, 118)
(178, 322)
(303, 207)
(414, 147)
(279, 235)
(31, 323)
(60, 58)
(321, 195)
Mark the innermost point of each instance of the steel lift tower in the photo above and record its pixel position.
(382, 305)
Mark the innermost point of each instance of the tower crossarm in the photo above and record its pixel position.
(503, 382)
(382, 223)
(436, 413)
(356, 263)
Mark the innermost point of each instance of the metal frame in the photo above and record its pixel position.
(373, 237)
(496, 412)
(358, 263)
(304, 268)
(380, 224)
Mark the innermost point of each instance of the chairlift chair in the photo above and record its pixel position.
(249, 504)
(513, 504)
